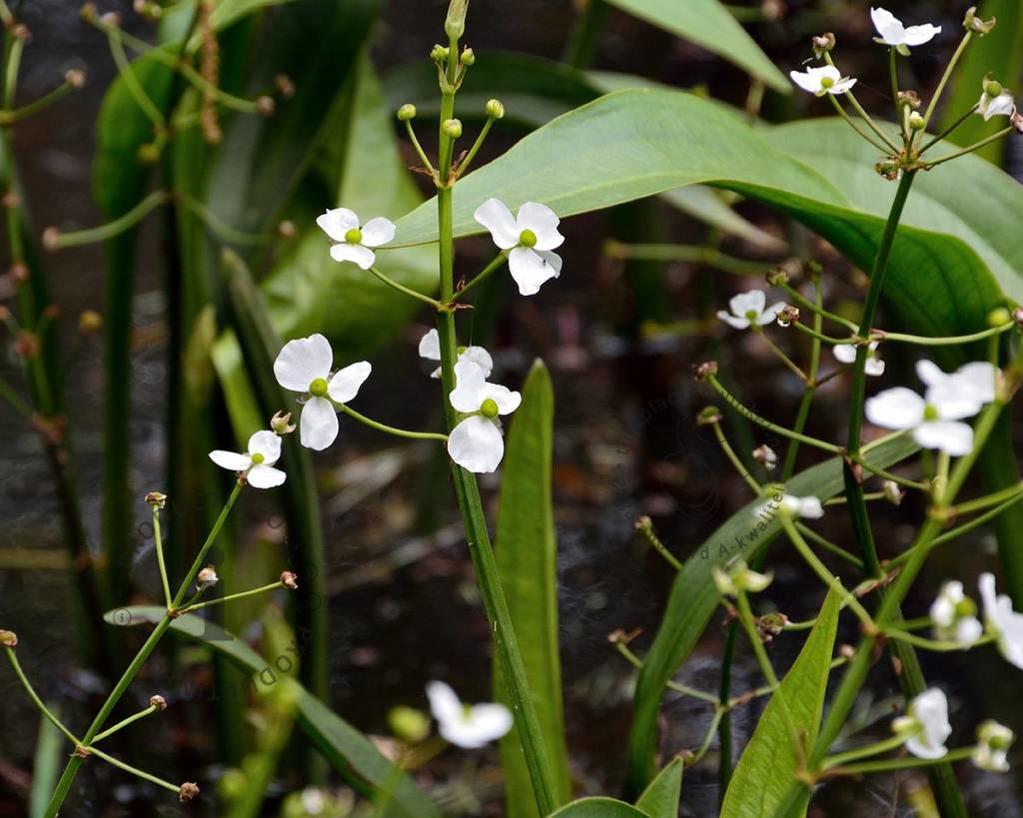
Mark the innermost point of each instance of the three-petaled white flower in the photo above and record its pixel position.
(995, 100)
(739, 578)
(429, 350)
(993, 743)
(954, 616)
(530, 239)
(925, 726)
(304, 365)
(748, 309)
(1002, 621)
(892, 32)
(936, 418)
(808, 507)
(477, 443)
(823, 80)
(257, 464)
(468, 726)
(355, 241)
(846, 354)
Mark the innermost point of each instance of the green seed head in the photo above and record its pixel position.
(353, 236)
(993, 88)
(406, 112)
(827, 82)
(257, 458)
(917, 122)
(318, 388)
(930, 412)
(495, 109)
(752, 315)
(453, 128)
(489, 408)
(965, 607)
(527, 238)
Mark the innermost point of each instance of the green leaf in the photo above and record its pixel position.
(999, 53)
(599, 807)
(709, 24)
(46, 765)
(768, 765)
(526, 551)
(661, 798)
(693, 597)
(348, 750)
(956, 251)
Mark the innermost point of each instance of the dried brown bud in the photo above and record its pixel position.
(909, 98)
(88, 12)
(265, 106)
(289, 580)
(52, 311)
(90, 321)
(27, 345)
(971, 22)
(788, 315)
(111, 18)
(773, 9)
(81, 751)
(644, 522)
(888, 169)
(8, 639)
(1016, 120)
(188, 791)
(777, 277)
(18, 273)
(706, 370)
(75, 78)
(619, 636)
(158, 701)
(708, 416)
(156, 499)
(286, 229)
(285, 86)
(823, 43)
(766, 456)
(51, 239)
(21, 32)
(207, 578)
(9, 199)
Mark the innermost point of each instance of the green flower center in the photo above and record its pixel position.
(965, 607)
(353, 236)
(527, 238)
(752, 315)
(827, 82)
(318, 388)
(930, 412)
(489, 408)
(257, 458)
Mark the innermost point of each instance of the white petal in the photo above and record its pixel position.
(355, 253)
(232, 461)
(335, 223)
(470, 383)
(950, 436)
(476, 444)
(806, 81)
(377, 231)
(842, 86)
(844, 353)
(429, 346)
(302, 361)
(262, 476)
(968, 631)
(980, 378)
(494, 215)
(743, 303)
(485, 723)
(1002, 105)
(531, 268)
(267, 444)
(731, 320)
(543, 222)
(897, 408)
(768, 315)
(317, 424)
(920, 749)
(918, 35)
(507, 401)
(480, 357)
(888, 26)
(811, 508)
(930, 709)
(444, 704)
(930, 373)
(344, 386)
(874, 367)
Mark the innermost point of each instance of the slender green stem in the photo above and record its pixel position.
(891, 146)
(390, 282)
(909, 763)
(494, 265)
(200, 558)
(693, 254)
(974, 147)
(887, 475)
(115, 227)
(736, 462)
(893, 743)
(122, 724)
(12, 656)
(827, 545)
(273, 586)
(817, 335)
(802, 300)
(121, 765)
(937, 645)
(391, 430)
(940, 89)
(219, 227)
(131, 82)
(419, 148)
(988, 500)
(893, 71)
(948, 340)
(463, 166)
(947, 132)
(884, 148)
(645, 527)
(160, 561)
(18, 114)
(685, 690)
(803, 413)
(8, 393)
(781, 356)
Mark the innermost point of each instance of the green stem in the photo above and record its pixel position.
(737, 464)
(220, 228)
(974, 147)
(160, 561)
(961, 754)
(647, 530)
(948, 340)
(483, 275)
(884, 148)
(8, 393)
(419, 148)
(391, 430)
(781, 356)
(939, 90)
(801, 299)
(122, 724)
(390, 282)
(685, 690)
(13, 657)
(9, 117)
(947, 132)
(692, 254)
(229, 598)
(827, 545)
(131, 82)
(862, 112)
(115, 227)
(463, 166)
(116, 762)
(885, 746)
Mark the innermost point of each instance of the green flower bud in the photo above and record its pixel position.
(708, 416)
(998, 316)
(495, 109)
(439, 53)
(8, 639)
(406, 112)
(468, 57)
(408, 724)
(453, 128)
(917, 122)
(454, 25)
(971, 22)
(993, 88)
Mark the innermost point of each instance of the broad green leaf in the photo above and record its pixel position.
(599, 807)
(768, 765)
(348, 750)
(709, 24)
(999, 53)
(708, 206)
(693, 597)
(955, 256)
(661, 798)
(527, 563)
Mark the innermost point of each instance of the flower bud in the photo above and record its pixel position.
(740, 579)
(993, 743)
(1016, 120)
(149, 154)
(75, 78)
(281, 424)
(495, 109)
(439, 53)
(917, 122)
(158, 701)
(999, 316)
(8, 639)
(156, 499)
(111, 18)
(971, 22)
(453, 128)
(406, 112)
(188, 791)
(286, 229)
(265, 106)
(910, 99)
(51, 239)
(892, 493)
(289, 580)
(823, 43)
(708, 416)
(206, 578)
(706, 370)
(788, 315)
(89, 321)
(454, 25)
(408, 724)
(285, 86)
(770, 625)
(766, 456)
(778, 277)
(88, 12)
(468, 57)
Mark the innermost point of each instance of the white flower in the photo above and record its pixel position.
(824, 80)
(429, 349)
(935, 420)
(468, 726)
(1002, 104)
(748, 309)
(892, 32)
(355, 242)
(1002, 621)
(740, 578)
(954, 617)
(925, 726)
(808, 507)
(256, 464)
(846, 354)
(993, 743)
(531, 238)
(476, 442)
(304, 365)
